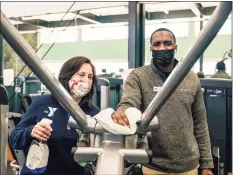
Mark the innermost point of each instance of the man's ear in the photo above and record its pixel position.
(150, 48)
(176, 48)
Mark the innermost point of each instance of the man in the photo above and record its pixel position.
(200, 74)
(221, 73)
(182, 141)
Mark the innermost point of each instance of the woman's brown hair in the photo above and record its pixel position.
(69, 68)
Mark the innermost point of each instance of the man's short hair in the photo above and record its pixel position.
(221, 66)
(163, 29)
(200, 75)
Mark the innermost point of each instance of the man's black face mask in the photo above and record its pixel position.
(163, 57)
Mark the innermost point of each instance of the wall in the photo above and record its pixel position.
(105, 53)
(118, 49)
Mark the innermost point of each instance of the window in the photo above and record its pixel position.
(8, 77)
(58, 36)
(54, 66)
(105, 33)
(225, 30)
(108, 66)
(180, 29)
(209, 66)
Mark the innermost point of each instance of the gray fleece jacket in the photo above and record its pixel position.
(221, 74)
(182, 141)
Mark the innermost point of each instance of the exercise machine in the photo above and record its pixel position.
(112, 147)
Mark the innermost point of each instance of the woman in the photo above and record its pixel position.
(77, 75)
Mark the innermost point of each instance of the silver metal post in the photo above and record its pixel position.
(110, 156)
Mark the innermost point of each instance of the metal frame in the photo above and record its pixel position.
(4, 109)
(19, 154)
(136, 41)
(218, 92)
(1, 59)
(89, 18)
(199, 6)
(114, 143)
(104, 86)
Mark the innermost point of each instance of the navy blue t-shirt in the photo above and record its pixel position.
(62, 139)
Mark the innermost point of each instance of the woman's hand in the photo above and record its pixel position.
(41, 131)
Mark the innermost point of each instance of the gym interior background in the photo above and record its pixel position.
(115, 36)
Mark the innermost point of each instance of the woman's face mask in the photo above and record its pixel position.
(81, 82)
(79, 89)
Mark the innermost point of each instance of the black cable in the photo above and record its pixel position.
(43, 56)
(42, 43)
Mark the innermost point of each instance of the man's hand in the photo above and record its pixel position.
(120, 118)
(206, 172)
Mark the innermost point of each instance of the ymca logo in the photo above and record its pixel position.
(51, 111)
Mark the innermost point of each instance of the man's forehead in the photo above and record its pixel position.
(162, 35)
